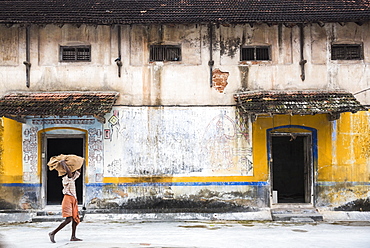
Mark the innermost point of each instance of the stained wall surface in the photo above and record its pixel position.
(11, 170)
(171, 140)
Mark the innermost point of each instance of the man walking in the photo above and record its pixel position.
(69, 203)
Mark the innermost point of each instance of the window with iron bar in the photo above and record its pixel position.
(165, 53)
(255, 53)
(75, 53)
(346, 52)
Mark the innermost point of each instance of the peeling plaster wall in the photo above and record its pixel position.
(344, 183)
(176, 141)
(177, 157)
(183, 198)
(34, 166)
(12, 194)
(168, 143)
(187, 81)
(342, 169)
(32, 140)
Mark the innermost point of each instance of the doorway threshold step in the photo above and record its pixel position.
(296, 217)
(295, 212)
(49, 214)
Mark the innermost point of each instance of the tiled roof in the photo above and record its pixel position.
(62, 103)
(182, 11)
(297, 102)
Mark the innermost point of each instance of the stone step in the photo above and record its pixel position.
(292, 205)
(47, 213)
(302, 220)
(295, 212)
(51, 216)
(297, 216)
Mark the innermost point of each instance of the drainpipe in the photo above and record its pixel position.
(27, 63)
(210, 62)
(118, 60)
(302, 62)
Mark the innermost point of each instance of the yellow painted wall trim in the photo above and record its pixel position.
(169, 179)
(320, 122)
(11, 157)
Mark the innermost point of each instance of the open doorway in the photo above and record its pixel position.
(56, 146)
(291, 168)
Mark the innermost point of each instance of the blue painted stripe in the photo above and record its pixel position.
(329, 184)
(182, 184)
(98, 184)
(21, 185)
(151, 184)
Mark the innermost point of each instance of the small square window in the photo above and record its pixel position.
(346, 52)
(165, 53)
(255, 53)
(75, 53)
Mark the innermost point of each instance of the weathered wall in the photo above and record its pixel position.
(186, 81)
(164, 158)
(344, 180)
(283, 71)
(12, 191)
(262, 124)
(176, 141)
(32, 136)
(172, 140)
(342, 171)
(33, 159)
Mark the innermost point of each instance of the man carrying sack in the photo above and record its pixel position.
(68, 166)
(74, 163)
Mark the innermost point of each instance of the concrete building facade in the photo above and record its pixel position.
(187, 116)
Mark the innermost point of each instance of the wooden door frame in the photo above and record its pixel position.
(310, 157)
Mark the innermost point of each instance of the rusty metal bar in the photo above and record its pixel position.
(118, 60)
(210, 62)
(302, 62)
(27, 63)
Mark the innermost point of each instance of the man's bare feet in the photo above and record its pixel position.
(75, 239)
(51, 236)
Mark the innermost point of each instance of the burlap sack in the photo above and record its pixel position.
(74, 163)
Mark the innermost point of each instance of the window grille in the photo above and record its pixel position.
(346, 52)
(255, 53)
(165, 53)
(75, 53)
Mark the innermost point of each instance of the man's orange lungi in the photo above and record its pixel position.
(70, 208)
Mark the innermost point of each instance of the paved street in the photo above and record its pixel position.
(210, 234)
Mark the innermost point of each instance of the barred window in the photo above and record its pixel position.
(75, 53)
(165, 53)
(346, 52)
(255, 53)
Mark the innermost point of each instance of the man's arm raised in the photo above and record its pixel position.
(65, 166)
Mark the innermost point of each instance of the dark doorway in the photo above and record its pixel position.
(57, 146)
(290, 166)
